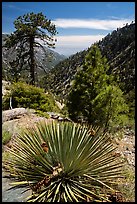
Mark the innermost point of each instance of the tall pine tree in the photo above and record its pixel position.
(94, 95)
(30, 27)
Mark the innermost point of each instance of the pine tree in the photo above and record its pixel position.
(30, 27)
(94, 95)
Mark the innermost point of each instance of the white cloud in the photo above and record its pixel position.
(76, 40)
(91, 23)
(68, 45)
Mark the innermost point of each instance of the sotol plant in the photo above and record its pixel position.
(64, 162)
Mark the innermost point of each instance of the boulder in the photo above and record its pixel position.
(13, 114)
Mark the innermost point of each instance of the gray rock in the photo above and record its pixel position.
(12, 114)
(13, 195)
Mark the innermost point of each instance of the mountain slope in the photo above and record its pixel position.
(119, 49)
(46, 59)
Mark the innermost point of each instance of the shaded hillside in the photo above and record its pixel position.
(59, 79)
(119, 49)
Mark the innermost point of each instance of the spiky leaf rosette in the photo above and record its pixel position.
(64, 162)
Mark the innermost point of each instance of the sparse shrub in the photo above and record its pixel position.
(28, 96)
(42, 114)
(6, 136)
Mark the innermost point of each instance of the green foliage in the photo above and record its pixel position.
(6, 136)
(64, 111)
(63, 162)
(42, 114)
(6, 155)
(28, 28)
(94, 95)
(28, 96)
(110, 107)
(130, 99)
(4, 72)
(119, 49)
(64, 72)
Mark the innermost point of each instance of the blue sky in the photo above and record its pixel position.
(79, 24)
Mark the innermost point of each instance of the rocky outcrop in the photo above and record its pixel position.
(13, 114)
(12, 195)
